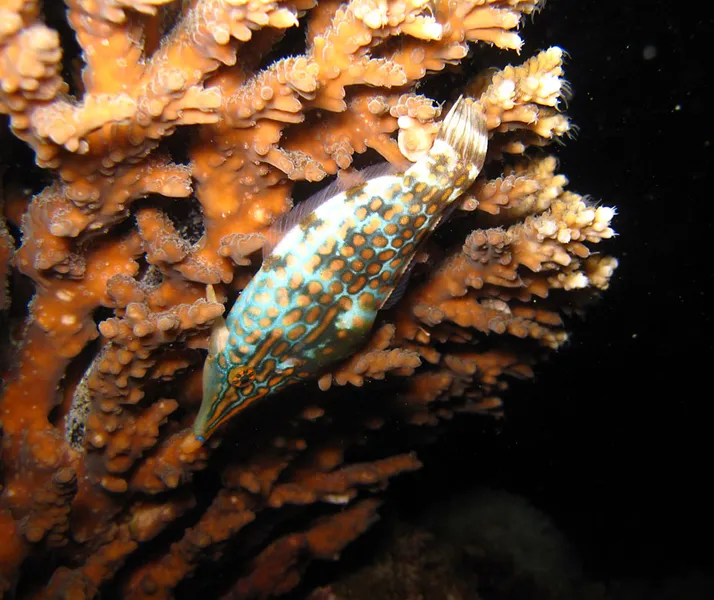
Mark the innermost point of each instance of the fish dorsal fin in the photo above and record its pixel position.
(290, 219)
(345, 181)
(351, 178)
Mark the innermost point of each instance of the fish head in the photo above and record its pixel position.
(224, 394)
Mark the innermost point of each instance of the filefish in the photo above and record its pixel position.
(318, 292)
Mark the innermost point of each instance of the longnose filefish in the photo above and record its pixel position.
(318, 292)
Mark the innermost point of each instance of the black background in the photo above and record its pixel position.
(613, 440)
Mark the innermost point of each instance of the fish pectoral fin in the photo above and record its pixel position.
(400, 289)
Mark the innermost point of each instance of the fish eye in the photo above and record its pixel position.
(241, 376)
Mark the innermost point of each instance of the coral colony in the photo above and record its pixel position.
(171, 136)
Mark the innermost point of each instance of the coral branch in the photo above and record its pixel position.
(170, 139)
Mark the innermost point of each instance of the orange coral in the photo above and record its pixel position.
(170, 155)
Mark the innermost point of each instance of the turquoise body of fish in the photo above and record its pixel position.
(318, 292)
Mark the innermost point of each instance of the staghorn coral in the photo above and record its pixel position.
(172, 135)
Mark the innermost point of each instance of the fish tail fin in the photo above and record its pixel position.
(464, 129)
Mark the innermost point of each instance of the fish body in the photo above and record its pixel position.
(317, 294)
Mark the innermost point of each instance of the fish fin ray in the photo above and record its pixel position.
(219, 328)
(464, 129)
(301, 210)
(400, 289)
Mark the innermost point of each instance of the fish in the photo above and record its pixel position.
(317, 294)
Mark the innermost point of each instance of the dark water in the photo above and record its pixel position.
(614, 439)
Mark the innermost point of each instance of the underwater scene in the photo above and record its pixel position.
(354, 300)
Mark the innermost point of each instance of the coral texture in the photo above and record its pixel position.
(480, 545)
(170, 136)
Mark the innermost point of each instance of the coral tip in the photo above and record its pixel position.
(191, 444)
